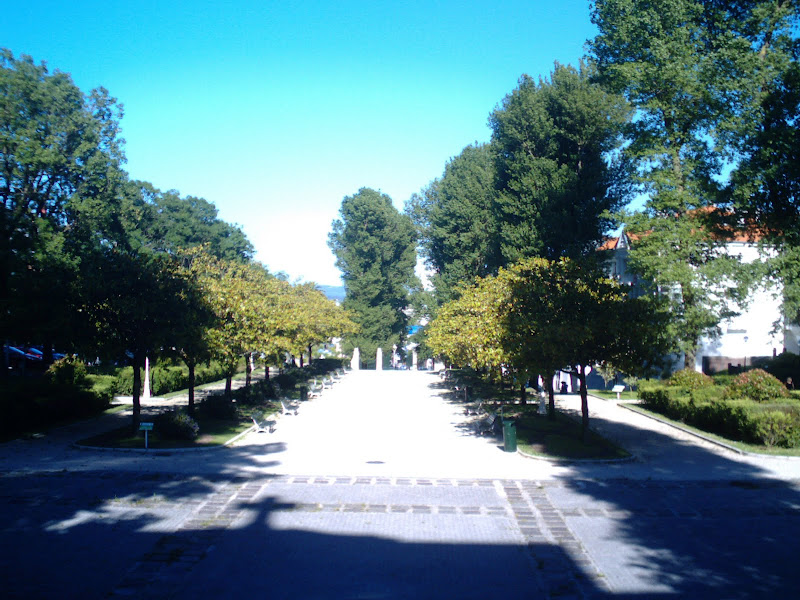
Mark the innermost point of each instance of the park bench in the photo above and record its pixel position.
(327, 383)
(474, 409)
(491, 423)
(264, 425)
(315, 389)
(288, 407)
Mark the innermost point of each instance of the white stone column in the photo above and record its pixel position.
(379, 360)
(146, 392)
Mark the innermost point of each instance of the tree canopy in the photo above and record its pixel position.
(697, 74)
(375, 247)
(557, 173)
(454, 220)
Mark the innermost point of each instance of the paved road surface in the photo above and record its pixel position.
(379, 489)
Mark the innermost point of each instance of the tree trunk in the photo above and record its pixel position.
(551, 407)
(138, 361)
(584, 403)
(190, 365)
(301, 360)
(689, 359)
(248, 367)
(522, 392)
(266, 369)
(229, 386)
(47, 353)
(309, 355)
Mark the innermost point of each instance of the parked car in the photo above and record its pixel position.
(20, 359)
(38, 352)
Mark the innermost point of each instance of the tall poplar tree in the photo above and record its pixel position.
(454, 221)
(375, 248)
(557, 172)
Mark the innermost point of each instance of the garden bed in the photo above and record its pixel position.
(560, 438)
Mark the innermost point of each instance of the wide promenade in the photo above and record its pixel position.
(381, 489)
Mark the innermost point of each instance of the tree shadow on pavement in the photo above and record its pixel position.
(689, 522)
(98, 534)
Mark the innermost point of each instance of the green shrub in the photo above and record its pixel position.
(259, 392)
(69, 370)
(723, 418)
(757, 385)
(176, 425)
(703, 395)
(165, 379)
(102, 385)
(217, 406)
(32, 403)
(288, 378)
(689, 380)
(777, 428)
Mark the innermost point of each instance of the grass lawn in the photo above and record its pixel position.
(558, 439)
(609, 395)
(213, 432)
(772, 451)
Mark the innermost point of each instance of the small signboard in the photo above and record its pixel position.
(146, 427)
(617, 389)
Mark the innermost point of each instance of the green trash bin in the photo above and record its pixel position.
(509, 435)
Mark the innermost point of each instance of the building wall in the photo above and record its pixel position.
(751, 334)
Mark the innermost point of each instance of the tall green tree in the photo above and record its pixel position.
(454, 221)
(375, 249)
(58, 146)
(134, 306)
(557, 169)
(764, 189)
(187, 222)
(673, 59)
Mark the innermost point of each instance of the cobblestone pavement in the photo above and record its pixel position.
(256, 519)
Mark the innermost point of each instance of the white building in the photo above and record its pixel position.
(744, 339)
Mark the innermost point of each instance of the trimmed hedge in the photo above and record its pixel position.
(176, 425)
(768, 425)
(28, 403)
(166, 378)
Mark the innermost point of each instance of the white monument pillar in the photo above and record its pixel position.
(379, 360)
(355, 362)
(414, 359)
(146, 392)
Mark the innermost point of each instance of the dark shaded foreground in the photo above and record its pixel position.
(101, 534)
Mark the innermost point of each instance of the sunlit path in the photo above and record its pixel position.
(389, 423)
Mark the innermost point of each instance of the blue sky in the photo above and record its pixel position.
(274, 111)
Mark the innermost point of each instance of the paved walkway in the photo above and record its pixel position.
(379, 489)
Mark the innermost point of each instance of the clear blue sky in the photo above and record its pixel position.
(274, 111)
